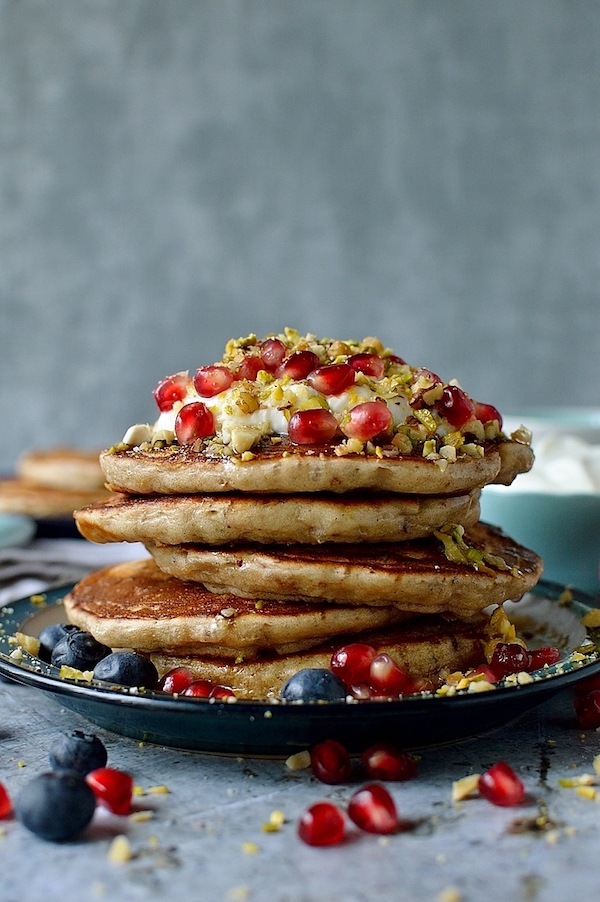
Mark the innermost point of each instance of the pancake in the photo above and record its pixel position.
(305, 519)
(71, 469)
(416, 575)
(180, 470)
(428, 648)
(136, 605)
(18, 496)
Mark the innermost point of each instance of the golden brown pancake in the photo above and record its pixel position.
(134, 604)
(426, 648)
(280, 469)
(224, 519)
(66, 468)
(416, 575)
(17, 496)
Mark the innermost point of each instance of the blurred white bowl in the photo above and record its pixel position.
(555, 509)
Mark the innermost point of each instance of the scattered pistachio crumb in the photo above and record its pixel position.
(586, 792)
(465, 787)
(138, 791)
(250, 848)
(239, 894)
(299, 761)
(159, 790)
(120, 850)
(450, 894)
(21, 764)
(140, 817)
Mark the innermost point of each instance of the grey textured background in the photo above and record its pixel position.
(174, 173)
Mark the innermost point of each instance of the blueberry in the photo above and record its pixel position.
(51, 635)
(314, 684)
(78, 752)
(80, 650)
(56, 806)
(127, 668)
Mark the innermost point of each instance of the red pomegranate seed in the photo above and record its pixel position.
(173, 388)
(386, 762)
(193, 421)
(588, 685)
(501, 786)
(386, 678)
(455, 405)
(175, 680)
(298, 366)
(540, 656)
(373, 809)
(352, 663)
(587, 710)
(248, 368)
(312, 427)
(509, 657)
(5, 803)
(393, 358)
(330, 762)
(211, 380)
(113, 788)
(199, 689)
(366, 421)
(323, 824)
(222, 692)
(486, 672)
(272, 352)
(369, 364)
(485, 413)
(332, 379)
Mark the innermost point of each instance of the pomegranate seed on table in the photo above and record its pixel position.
(386, 762)
(501, 786)
(175, 680)
(211, 380)
(194, 421)
(312, 427)
(298, 365)
(330, 762)
(173, 388)
(352, 663)
(386, 678)
(113, 788)
(373, 809)
(5, 803)
(323, 824)
(587, 710)
(332, 379)
(368, 420)
(369, 364)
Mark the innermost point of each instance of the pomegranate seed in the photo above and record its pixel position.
(211, 380)
(398, 361)
(455, 405)
(373, 809)
(5, 803)
(423, 381)
(587, 710)
(485, 413)
(272, 352)
(352, 663)
(588, 685)
(222, 692)
(486, 672)
(192, 422)
(323, 824)
(332, 379)
(113, 788)
(368, 420)
(172, 389)
(540, 656)
(386, 678)
(312, 427)
(330, 762)
(298, 366)
(248, 368)
(369, 364)
(501, 786)
(175, 680)
(199, 689)
(386, 762)
(509, 657)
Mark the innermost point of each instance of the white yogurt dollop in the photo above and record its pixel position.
(564, 465)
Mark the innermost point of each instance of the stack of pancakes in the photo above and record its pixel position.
(264, 563)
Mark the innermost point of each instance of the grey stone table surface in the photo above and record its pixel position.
(202, 835)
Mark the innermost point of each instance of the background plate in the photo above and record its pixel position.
(15, 529)
(275, 729)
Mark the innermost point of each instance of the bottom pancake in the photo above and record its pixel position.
(136, 605)
(428, 648)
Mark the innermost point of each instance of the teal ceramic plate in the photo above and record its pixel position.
(274, 729)
(15, 529)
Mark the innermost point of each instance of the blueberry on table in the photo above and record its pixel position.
(78, 752)
(80, 650)
(314, 684)
(127, 668)
(51, 635)
(56, 806)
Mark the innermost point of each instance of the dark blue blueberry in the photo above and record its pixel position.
(51, 635)
(78, 752)
(80, 650)
(56, 806)
(127, 668)
(314, 684)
